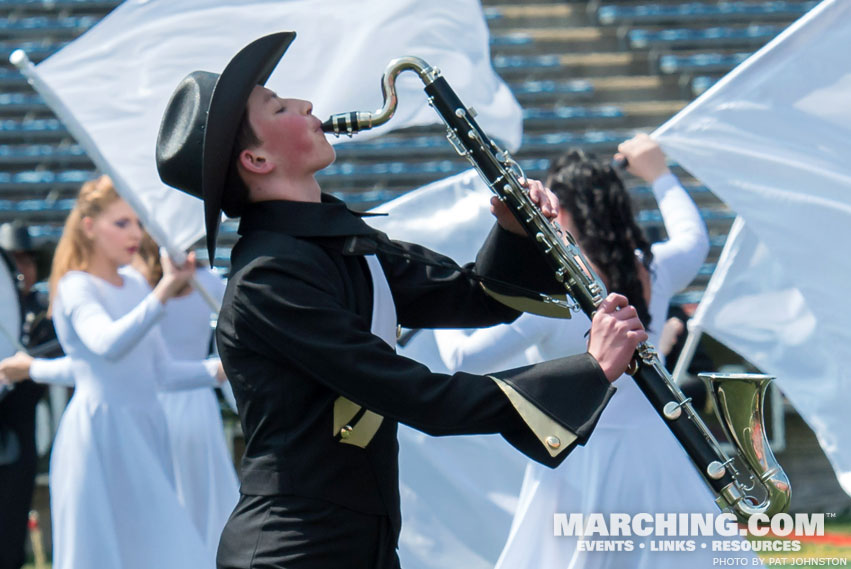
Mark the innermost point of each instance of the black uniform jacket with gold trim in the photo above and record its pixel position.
(294, 336)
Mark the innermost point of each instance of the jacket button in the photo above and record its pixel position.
(553, 442)
(346, 432)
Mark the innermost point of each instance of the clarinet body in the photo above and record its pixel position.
(738, 397)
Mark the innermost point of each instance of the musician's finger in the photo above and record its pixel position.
(637, 336)
(553, 201)
(549, 203)
(613, 302)
(626, 313)
(536, 190)
(542, 198)
(496, 206)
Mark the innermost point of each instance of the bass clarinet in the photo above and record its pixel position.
(751, 482)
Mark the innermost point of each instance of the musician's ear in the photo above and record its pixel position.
(255, 162)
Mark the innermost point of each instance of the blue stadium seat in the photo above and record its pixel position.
(687, 297)
(44, 25)
(45, 232)
(45, 177)
(32, 128)
(40, 153)
(572, 113)
(392, 145)
(493, 13)
(702, 83)
(563, 140)
(21, 102)
(349, 170)
(701, 11)
(718, 36)
(644, 190)
(717, 241)
(11, 78)
(570, 87)
(648, 216)
(503, 62)
(53, 4)
(511, 39)
(700, 62)
(37, 206)
(437, 145)
(36, 50)
(407, 170)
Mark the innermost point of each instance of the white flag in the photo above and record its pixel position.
(117, 78)
(458, 493)
(772, 140)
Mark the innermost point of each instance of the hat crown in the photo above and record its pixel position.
(15, 236)
(201, 120)
(180, 142)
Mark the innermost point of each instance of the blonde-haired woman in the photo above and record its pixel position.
(204, 474)
(113, 502)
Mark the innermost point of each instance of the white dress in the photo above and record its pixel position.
(113, 502)
(205, 477)
(632, 463)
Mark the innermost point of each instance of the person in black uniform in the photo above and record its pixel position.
(307, 330)
(17, 406)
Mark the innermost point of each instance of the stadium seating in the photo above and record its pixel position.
(700, 62)
(38, 26)
(588, 74)
(39, 154)
(53, 5)
(640, 12)
(701, 83)
(702, 37)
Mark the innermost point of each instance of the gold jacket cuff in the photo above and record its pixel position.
(553, 436)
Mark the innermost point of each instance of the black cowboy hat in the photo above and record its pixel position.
(200, 124)
(15, 237)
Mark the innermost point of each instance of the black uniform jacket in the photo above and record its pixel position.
(294, 337)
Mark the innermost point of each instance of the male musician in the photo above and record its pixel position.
(17, 407)
(308, 326)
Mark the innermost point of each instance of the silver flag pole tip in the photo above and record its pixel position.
(18, 58)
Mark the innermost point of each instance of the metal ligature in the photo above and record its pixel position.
(751, 482)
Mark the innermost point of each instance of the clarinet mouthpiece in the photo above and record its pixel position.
(346, 123)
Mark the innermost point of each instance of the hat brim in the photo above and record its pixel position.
(250, 67)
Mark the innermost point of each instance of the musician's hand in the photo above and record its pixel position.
(15, 368)
(646, 159)
(546, 201)
(615, 333)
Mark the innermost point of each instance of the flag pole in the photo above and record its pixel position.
(19, 59)
(687, 354)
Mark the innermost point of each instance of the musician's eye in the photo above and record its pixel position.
(282, 109)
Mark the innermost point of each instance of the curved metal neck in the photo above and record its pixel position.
(350, 123)
(388, 84)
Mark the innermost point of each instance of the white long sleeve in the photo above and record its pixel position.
(174, 375)
(178, 375)
(679, 258)
(483, 351)
(529, 339)
(56, 371)
(97, 330)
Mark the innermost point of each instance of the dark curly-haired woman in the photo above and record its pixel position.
(632, 464)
